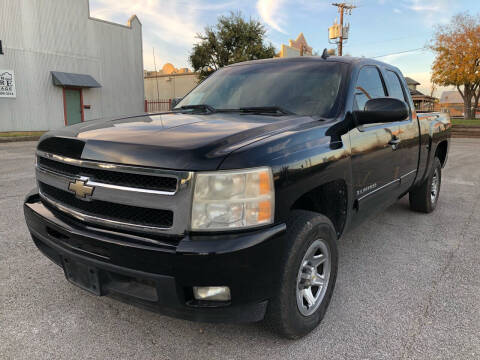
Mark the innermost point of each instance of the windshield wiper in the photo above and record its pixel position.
(276, 110)
(204, 107)
(266, 110)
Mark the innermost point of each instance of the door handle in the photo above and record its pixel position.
(394, 141)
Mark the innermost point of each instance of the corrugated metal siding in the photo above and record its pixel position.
(40, 36)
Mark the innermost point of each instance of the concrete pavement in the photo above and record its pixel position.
(408, 288)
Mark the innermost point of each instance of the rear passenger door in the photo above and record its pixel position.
(408, 147)
(372, 155)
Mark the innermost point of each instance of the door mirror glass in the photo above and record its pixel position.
(175, 102)
(382, 110)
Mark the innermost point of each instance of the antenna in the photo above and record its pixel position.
(156, 73)
(325, 54)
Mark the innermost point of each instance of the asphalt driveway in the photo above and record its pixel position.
(408, 288)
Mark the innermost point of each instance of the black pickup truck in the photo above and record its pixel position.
(229, 207)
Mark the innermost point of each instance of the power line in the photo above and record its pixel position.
(399, 52)
(392, 39)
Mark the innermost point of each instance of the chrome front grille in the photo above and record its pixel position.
(119, 212)
(121, 197)
(135, 180)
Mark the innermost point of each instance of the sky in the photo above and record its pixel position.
(385, 29)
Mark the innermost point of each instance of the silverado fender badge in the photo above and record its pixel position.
(366, 189)
(81, 189)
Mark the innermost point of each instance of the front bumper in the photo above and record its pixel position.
(160, 275)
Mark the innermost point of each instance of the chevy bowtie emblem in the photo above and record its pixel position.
(81, 190)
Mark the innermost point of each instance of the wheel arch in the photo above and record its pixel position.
(441, 152)
(329, 199)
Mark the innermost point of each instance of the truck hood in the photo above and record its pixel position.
(171, 141)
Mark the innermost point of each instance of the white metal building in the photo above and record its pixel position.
(59, 66)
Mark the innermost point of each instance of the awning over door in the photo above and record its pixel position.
(74, 80)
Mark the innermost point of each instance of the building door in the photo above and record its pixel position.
(73, 106)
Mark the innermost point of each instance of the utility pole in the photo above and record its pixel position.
(341, 34)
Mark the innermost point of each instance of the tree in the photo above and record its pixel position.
(457, 62)
(476, 97)
(231, 40)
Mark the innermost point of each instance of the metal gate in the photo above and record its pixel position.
(155, 106)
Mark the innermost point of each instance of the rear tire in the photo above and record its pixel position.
(308, 277)
(425, 197)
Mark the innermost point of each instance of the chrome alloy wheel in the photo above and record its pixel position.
(434, 187)
(313, 277)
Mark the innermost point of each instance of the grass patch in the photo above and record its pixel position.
(21, 133)
(472, 122)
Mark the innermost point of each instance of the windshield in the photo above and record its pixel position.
(300, 87)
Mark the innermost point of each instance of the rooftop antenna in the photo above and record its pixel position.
(325, 54)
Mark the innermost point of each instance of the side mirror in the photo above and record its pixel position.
(382, 110)
(175, 102)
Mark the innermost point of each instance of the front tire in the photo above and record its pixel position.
(425, 197)
(308, 277)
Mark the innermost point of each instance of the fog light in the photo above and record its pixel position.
(215, 293)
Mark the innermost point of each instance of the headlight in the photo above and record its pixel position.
(233, 199)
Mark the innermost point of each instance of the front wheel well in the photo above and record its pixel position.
(441, 152)
(329, 199)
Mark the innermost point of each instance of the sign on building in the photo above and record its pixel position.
(7, 84)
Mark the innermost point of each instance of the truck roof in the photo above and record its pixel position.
(343, 59)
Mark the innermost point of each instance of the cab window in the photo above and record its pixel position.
(394, 85)
(369, 86)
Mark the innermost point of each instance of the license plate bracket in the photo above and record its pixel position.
(82, 275)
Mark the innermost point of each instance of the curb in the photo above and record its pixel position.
(465, 136)
(466, 127)
(466, 131)
(19, 138)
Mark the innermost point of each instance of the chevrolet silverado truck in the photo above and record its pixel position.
(229, 207)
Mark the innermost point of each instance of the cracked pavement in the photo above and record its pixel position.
(408, 288)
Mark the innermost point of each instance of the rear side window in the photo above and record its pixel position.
(369, 86)
(394, 85)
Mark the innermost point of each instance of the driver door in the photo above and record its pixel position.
(374, 171)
